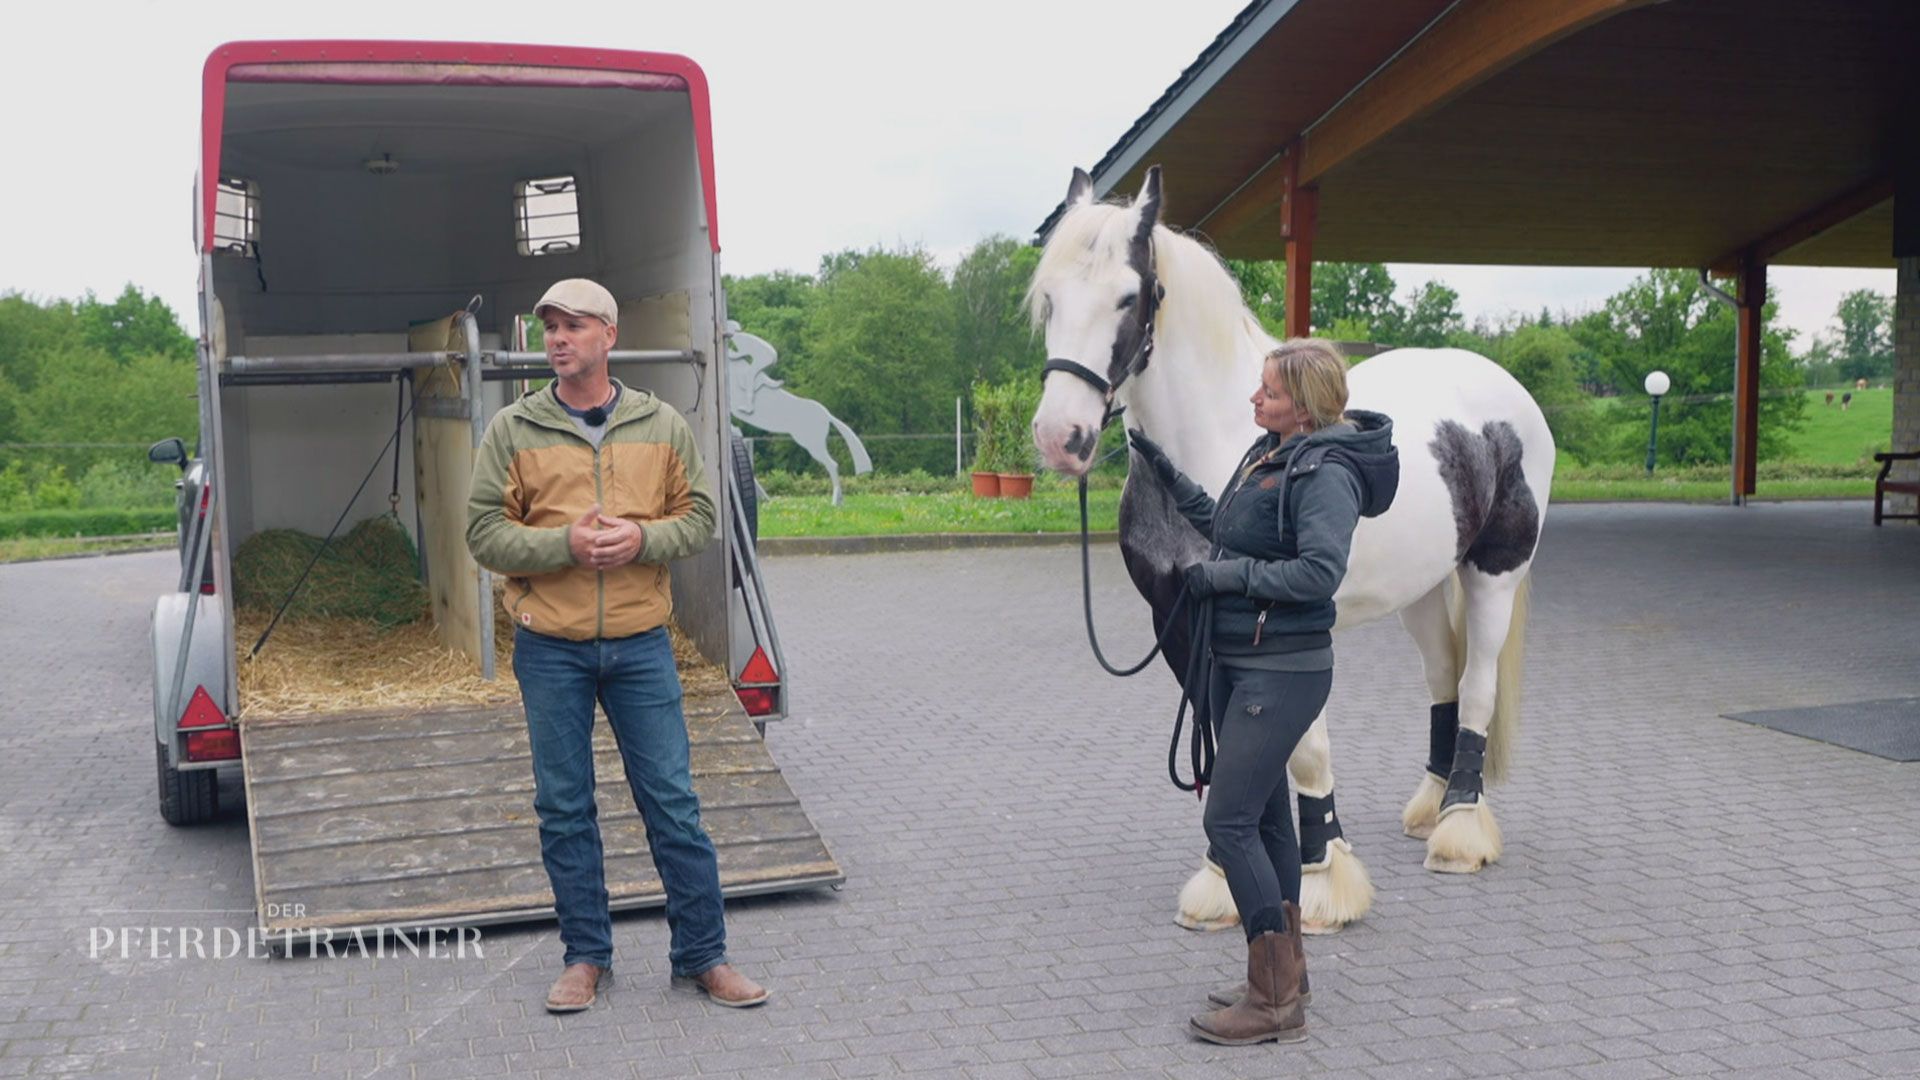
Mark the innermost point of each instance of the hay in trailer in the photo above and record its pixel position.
(331, 663)
(372, 573)
(328, 663)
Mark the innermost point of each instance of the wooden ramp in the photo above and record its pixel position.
(365, 820)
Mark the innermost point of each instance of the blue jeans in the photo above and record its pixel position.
(635, 681)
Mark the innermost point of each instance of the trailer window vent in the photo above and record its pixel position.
(236, 217)
(546, 213)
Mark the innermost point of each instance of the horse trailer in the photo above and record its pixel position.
(373, 223)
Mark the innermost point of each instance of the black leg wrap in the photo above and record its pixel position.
(1266, 919)
(1444, 721)
(1469, 757)
(1318, 828)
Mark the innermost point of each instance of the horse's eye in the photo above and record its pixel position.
(1129, 300)
(1046, 308)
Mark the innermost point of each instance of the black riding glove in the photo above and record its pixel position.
(1212, 577)
(1154, 456)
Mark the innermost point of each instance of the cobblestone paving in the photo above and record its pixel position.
(1682, 895)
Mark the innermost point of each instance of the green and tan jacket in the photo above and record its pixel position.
(535, 475)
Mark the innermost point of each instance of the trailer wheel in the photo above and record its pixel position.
(749, 491)
(186, 798)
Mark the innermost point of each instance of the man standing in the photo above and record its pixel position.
(583, 491)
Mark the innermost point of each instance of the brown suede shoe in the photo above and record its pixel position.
(723, 986)
(1271, 1011)
(576, 988)
(1231, 995)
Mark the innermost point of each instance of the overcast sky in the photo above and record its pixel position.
(837, 124)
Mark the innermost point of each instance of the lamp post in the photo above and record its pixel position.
(1657, 384)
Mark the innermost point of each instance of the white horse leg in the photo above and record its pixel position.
(1467, 837)
(1205, 904)
(1427, 622)
(1334, 886)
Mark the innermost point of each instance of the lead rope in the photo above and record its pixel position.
(1201, 747)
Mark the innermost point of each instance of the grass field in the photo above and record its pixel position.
(1832, 436)
(1053, 508)
(31, 548)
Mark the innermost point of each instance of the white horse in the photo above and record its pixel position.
(1137, 315)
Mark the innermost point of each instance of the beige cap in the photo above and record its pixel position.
(579, 296)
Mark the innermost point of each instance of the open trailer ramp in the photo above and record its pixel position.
(375, 819)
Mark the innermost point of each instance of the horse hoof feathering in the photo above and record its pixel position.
(1336, 892)
(1423, 810)
(1205, 904)
(1140, 318)
(1466, 839)
(1332, 895)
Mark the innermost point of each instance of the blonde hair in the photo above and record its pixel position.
(1315, 376)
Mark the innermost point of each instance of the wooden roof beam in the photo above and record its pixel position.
(1841, 208)
(1474, 41)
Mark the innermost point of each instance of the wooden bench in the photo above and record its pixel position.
(1882, 487)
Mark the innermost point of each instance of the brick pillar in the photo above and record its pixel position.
(1906, 375)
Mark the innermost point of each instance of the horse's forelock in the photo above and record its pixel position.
(1201, 294)
(1088, 238)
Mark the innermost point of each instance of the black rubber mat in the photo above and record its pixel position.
(1889, 728)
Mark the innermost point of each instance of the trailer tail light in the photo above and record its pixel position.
(209, 736)
(221, 745)
(760, 685)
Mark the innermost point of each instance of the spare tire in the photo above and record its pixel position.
(749, 491)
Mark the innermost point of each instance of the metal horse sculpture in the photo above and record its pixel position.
(1137, 315)
(754, 397)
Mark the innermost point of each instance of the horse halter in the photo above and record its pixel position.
(1150, 296)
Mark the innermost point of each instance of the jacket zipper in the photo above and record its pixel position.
(600, 576)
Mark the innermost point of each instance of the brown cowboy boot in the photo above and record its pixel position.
(576, 988)
(1230, 995)
(723, 986)
(1271, 1011)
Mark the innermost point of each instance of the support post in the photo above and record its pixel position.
(1298, 211)
(1746, 376)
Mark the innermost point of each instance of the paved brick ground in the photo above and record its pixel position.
(1682, 895)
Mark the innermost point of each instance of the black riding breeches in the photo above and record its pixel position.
(1260, 716)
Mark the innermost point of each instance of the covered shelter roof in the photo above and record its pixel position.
(1542, 132)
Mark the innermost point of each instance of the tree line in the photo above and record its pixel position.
(85, 386)
(888, 338)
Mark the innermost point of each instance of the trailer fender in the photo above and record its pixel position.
(207, 661)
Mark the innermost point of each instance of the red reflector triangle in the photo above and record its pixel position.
(759, 669)
(201, 711)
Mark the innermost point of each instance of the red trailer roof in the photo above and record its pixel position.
(443, 63)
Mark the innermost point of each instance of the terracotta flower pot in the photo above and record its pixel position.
(1016, 485)
(986, 485)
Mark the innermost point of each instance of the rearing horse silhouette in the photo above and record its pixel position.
(754, 397)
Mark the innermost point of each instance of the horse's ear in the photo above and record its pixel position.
(1149, 198)
(1080, 190)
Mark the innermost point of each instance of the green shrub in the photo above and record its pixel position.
(98, 522)
(1002, 415)
(118, 484)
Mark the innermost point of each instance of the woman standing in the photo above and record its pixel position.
(1281, 532)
